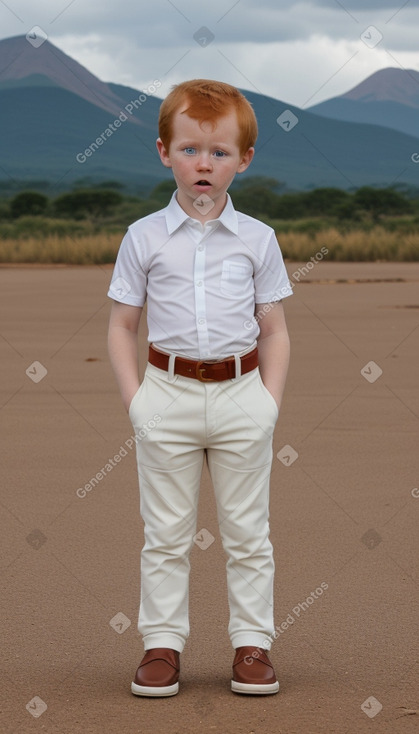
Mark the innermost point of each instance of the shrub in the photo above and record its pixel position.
(28, 203)
(89, 202)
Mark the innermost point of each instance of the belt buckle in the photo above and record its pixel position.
(199, 370)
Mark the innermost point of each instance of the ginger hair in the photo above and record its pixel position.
(207, 101)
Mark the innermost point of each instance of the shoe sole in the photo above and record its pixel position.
(255, 689)
(155, 691)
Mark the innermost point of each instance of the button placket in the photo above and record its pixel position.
(200, 302)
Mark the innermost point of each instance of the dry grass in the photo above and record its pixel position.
(357, 245)
(85, 250)
(377, 244)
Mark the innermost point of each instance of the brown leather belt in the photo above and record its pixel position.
(202, 370)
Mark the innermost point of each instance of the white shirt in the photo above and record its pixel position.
(201, 282)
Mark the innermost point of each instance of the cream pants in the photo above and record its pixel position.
(178, 421)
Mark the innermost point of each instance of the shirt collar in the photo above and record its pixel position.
(176, 216)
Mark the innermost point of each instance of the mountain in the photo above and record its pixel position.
(389, 85)
(61, 124)
(48, 66)
(390, 98)
(52, 109)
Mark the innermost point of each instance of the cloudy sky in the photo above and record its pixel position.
(299, 52)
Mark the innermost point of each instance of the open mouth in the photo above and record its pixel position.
(203, 182)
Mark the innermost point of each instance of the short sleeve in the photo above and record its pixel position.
(271, 278)
(129, 279)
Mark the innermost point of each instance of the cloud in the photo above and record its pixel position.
(353, 5)
(290, 50)
(172, 22)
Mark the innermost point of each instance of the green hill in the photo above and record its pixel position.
(52, 112)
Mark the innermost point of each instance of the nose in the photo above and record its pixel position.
(204, 162)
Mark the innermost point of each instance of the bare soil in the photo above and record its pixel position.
(344, 513)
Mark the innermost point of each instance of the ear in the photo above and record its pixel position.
(246, 160)
(164, 155)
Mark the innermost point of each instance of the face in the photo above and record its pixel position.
(204, 161)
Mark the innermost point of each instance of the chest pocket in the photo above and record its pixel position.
(235, 278)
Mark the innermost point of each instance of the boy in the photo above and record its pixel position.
(213, 279)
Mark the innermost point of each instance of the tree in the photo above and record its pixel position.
(163, 191)
(324, 201)
(28, 203)
(381, 201)
(255, 200)
(290, 206)
(265, 182)
(84, 203)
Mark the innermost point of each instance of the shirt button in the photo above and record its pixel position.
(199, 282)
(201, 321)
(200, 248)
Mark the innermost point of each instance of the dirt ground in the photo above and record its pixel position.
(344, 519)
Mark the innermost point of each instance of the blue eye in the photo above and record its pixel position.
(219, 154)
(189, 151)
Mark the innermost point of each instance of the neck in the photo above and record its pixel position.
(202, 209)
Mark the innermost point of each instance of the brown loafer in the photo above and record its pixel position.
(253, 672)
(157, 674)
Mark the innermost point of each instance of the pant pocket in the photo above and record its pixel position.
(269, 397)
(134, 401)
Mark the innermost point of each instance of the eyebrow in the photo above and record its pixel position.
(190, 143)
